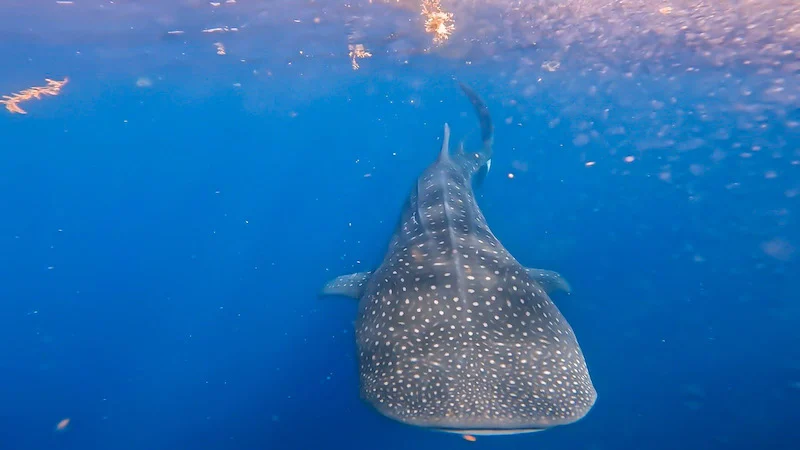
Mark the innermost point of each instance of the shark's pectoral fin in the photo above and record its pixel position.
(549, 280)
(348, 285)
(480, 176)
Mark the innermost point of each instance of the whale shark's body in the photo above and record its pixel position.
(452, 332)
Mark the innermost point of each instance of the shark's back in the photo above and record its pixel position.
(453, 333)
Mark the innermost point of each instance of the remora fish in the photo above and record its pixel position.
(453, 333)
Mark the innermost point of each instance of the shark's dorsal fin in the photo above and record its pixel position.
(550, 281)
(348, 285)
(444, 155)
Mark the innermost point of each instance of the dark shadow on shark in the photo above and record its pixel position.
(452, 332)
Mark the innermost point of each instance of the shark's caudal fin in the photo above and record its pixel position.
(487, 129)
(348, 285)
(481, 159)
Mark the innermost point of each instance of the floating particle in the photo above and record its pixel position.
(12, 101)
(551, 66)
(220, 30)
(357, 51)
(469, 437)
(629, 159)
(580, 140)
(510, 176)
(220, 48)
(143, 82)
(63, 424)
(696, 169)
(437, 21)
(176, 32)
(778, 248)
(590, 163)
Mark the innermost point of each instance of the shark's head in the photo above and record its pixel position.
(504, 361)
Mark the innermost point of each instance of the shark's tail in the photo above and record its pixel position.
(483, 158)
(487, 129)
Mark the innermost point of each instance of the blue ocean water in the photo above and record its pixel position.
(162, 253)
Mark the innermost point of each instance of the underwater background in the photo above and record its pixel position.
(169, 215)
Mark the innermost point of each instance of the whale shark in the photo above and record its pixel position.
(452, 332)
